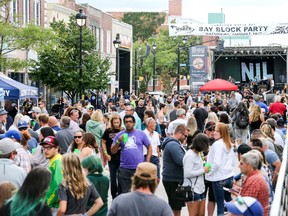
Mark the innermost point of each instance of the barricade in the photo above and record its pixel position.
(280, 202)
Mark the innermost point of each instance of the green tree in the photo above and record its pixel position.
(145, 24)
(58, 66)
(166, 59)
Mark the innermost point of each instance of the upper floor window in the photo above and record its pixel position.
(25, 12)
(13, 11)
(108, 48)
(37, 12)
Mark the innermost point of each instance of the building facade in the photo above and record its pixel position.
(43, 12)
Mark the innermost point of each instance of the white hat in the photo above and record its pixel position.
(25, 118)
(7, 146)
(35, 109)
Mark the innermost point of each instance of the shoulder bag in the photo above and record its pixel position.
(185, 193)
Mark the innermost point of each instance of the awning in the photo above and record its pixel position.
(16, 90)
(219, 85)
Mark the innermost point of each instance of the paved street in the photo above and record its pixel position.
(160, 192)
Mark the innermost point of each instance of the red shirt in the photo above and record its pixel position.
(277, 107)
(256, 186)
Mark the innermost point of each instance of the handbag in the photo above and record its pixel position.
(185, 193)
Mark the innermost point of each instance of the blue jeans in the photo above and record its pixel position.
(155, 160)
(220, 194)
(114, 175)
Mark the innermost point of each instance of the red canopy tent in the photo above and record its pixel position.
(219, 85)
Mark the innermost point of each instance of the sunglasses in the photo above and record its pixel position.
(21, 129)
(77, 137)
(211, 129)
(184, 134)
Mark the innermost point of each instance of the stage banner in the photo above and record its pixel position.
(179, 26)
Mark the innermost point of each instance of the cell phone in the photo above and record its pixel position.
(230, 190)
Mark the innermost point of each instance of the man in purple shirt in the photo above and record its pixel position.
(131, 151)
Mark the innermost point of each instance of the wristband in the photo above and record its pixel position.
(105, 152)
(117, 142)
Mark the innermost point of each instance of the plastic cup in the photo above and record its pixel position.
(33, 150)
(125, 137)
(77, 151)
(208, 165)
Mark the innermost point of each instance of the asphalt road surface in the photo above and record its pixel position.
(160, 191)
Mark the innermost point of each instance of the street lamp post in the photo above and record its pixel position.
(136, 72)
(184, 40)
(80, 20)
(154, 47)
(116, 44)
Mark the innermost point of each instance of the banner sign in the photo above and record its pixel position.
(198, 63)
(256, 70)
(182, 26)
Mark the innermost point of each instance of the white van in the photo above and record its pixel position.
(156, 94)
(183, 89)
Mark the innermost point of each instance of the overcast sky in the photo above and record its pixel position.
(236, 11)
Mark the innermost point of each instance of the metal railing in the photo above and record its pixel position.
(280, 202)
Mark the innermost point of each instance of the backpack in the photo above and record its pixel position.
(242, 120)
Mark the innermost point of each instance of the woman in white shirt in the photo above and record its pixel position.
(194, 173)
(222, 158)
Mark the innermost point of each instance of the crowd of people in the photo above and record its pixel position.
(66, 166)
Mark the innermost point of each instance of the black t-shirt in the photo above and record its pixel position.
(44, 211)
(108, 136)
(75, 206)
(140, 112)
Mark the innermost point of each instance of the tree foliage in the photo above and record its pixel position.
(145, 24)
(14, 37)
(58, 66)
(166, 59)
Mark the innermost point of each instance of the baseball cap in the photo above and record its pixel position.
(210, 125)
(247, 206)
(22, 124)
(214, 109)
(90, 107)
(146, 171)
(280, 122)
(25, 118)
(200, 101)
(7, 146)
(50, 140)
(35, 109)
(3, 112)
(12, 134)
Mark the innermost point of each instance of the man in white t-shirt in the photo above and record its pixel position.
(189, 100)
(154, 139)
(181, 115)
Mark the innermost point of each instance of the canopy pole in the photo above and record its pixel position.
(18, 106)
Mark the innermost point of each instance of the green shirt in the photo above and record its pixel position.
(101, 184)
(55, 168)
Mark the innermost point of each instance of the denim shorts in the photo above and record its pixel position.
(199, 197)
